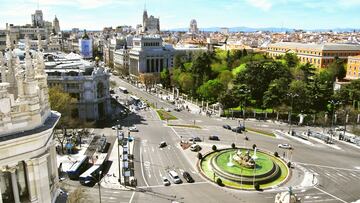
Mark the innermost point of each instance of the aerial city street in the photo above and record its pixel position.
(108, 103)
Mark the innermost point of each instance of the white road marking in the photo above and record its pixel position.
(152, 149)
(331, 167)
(174, 185)
(333, 196)
(142, 169)
(132, 197)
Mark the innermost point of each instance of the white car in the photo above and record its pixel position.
(114, 127)
(195, 148)
(175, 177)
(285, 146)
(167, 109)
(166, 181)
(133, 129)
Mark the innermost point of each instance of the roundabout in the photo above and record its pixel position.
(241, 168)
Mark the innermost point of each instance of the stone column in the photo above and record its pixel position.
(54, 169)
(1, 201)
(30, 179)
(14, 185)
(41, 178)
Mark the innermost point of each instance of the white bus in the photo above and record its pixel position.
(123, 90)
(91, 176)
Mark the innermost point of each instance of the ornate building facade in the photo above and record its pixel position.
(28, 168)
(151, 24)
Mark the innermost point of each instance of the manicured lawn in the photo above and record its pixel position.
(263, 164)
(165, 115)
(184, 126)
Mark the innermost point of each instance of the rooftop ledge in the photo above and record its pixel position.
(49, 123)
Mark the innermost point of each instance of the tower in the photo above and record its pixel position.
(56, 26)
(145, 18)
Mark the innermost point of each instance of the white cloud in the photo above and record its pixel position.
(262, 4)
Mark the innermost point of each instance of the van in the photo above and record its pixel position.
(174, 177)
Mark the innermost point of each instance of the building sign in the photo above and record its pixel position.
(85, 46)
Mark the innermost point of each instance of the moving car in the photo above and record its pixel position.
(175, 177)
(133, 129)
(237, 129)
(195, 148)
(166, 181)
(214, 137)
(285, 146)
(227, 127)
(114, 127)
(162, 144)
(188, 177)
(177, 109)
(167, 109)
(194, 139)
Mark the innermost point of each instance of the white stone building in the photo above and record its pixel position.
(83, 80)
(193, 27)
(27, 150)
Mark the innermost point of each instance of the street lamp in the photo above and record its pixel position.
(98, 180)
(333, 103)
(292, 95)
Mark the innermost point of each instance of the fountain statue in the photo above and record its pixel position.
(244, 160)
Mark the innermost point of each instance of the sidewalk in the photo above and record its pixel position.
(111, 179)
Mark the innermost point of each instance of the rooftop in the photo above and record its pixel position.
(320, 47)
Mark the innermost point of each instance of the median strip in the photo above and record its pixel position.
(260, 132)
(163, 115)
(184, 126)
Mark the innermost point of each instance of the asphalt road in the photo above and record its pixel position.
(336, 167)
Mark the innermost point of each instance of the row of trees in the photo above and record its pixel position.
(236, 78)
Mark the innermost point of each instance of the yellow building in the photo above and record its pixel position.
(353, 68)
(320, 55)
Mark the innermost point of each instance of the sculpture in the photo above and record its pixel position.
(244, 160)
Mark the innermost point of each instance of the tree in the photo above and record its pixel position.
(276, 93)
(291, 60)
(337, 68)
(233, 145)
(199, 156)
(165, 78)
(210, 90)
(225, 77)
(214, 148)
(63, 103)
(254, 146)
(186, 82)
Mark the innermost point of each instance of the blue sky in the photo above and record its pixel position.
(96, 14)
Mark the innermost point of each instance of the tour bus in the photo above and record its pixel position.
(78, 168)
(123, 90)
(92, 176)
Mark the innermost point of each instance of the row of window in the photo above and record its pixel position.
(151, 44)
(318, 53)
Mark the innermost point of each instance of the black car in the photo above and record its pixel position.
(194, 139)
(188, 177)
(237, 129)
(242, 127)
(214, 137)
(227, 127)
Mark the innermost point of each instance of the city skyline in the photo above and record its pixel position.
(234, 13)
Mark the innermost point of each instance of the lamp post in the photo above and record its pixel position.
(99, 178)
(292, 95)
(118, 148)
(333, 104)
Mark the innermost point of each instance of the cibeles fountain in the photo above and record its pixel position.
(244, 159)
(243, 168)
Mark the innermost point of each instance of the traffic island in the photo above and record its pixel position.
(163, 115)
(242, 168)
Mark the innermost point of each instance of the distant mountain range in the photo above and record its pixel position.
(270, 29)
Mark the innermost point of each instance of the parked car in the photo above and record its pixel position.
(133, 129)
(194, 139)
(242, 127)
(195, 148)
(188, 177)
(166, 181)
(175, 177)
(227, 127)
(114, 127)
(162, 144)
(167, 109)
(237, 129)
(214, 137)
(285, 146)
